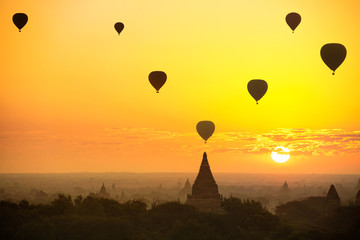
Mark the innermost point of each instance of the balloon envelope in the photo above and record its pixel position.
(205, 129)
(20, 20)
(257, 88)
(293, 20)
(157, 79)
(119, 27)
(333, 55)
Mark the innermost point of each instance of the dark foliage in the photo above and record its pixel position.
(309, 220)
(306, 213)
(94, 218)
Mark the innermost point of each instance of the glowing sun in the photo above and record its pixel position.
(280, 154)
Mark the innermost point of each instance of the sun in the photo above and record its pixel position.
(280, 154)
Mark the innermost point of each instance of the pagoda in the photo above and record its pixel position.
(103, 193)
(285, 188)
(186, 190)
(332, 200)
(204, 193)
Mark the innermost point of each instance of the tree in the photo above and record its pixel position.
(62, 204)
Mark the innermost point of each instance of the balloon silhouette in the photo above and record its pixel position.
(20, 20)
(119, 27)
(205, 129)
(333, 55)
(257, 89)
(293, 20)
(157, 79)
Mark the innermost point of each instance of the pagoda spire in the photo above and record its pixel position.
(205, 162)
(285, 188)
(205, 193)
(332, 195)
(332, 200)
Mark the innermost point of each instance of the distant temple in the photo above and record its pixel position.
(205, 194)
(186, 190)
(285, 188)
(39, 196)
(332, 201)
(160, 188)
(102, 194)
(114, 189)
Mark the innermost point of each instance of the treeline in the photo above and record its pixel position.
(93, 218)
(310, 219)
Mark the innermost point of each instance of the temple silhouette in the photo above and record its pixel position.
(186, 190)
(285, 188)
(332, 201)
(205, 194)
(101, 194)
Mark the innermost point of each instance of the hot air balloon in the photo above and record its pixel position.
(293, 20)
(205, 129)
(257, 89)
(333, 55)
(119, 27)
(157, 79)
(20, 20)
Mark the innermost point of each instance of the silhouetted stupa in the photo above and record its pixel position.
(332, 200)
(186, 189)
(285, 188)
(114, 187)
(205, 194)
(103, 193)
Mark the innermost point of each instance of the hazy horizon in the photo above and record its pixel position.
(44, 187)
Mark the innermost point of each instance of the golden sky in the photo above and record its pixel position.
(75, 96)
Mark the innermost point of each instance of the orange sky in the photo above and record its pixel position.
(74, 96)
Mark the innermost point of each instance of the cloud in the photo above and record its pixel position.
(300, 141)
(328, 142)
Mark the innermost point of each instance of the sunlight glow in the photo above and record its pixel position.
(280, 154)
